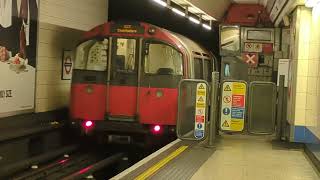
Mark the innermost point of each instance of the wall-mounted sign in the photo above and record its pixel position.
(233, 106)
(67, 65)
(252, 47)
(283, 69)
(18, 42)
(200, 111)
(251, 59)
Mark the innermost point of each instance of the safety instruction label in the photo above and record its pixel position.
(200, 111)
(233, 106)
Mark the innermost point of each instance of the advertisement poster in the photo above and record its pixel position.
(18, 42)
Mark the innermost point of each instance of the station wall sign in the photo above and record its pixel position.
(233, 106)
(251, 59)
(67, 65)
(253, 47)
(200, 111)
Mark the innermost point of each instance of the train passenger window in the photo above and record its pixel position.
(207, 70)
(198, 73)
(162, 59)
(125, 55)
(92, 55)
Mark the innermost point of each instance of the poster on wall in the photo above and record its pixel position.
(18, 42)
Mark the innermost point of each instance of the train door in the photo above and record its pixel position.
(123, 79)
(161, 71)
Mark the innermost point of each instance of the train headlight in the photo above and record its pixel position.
(159, 93)
(89, 89)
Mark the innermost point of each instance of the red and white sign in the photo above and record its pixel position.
(199, 119)
(252, 47)
(238, 101)
(251, 59)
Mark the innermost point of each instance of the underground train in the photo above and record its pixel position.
(126, 75)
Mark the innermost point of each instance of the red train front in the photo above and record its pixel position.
(125, 79)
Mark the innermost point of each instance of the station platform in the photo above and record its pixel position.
(234, 157)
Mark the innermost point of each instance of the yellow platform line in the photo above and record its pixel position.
(161, 163)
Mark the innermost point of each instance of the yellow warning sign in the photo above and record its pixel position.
(201, 86)
(239, 88)
(225, 124)
(227, 88)
(233, 106)
(200, 99)
(201, 105)
(237, 125)
(201, 93)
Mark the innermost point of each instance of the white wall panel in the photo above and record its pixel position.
(61, 24)
(76, 14)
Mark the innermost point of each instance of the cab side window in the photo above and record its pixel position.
(208, 70)
(198, 71)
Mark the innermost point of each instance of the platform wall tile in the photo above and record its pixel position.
(61, 24)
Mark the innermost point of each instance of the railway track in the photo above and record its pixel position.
(76, 166)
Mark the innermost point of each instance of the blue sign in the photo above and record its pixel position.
(237, 113)
(226, 111)
(199, 134)
(199, 126)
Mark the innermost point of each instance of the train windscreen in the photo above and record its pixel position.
(92, 55)
(162, 59)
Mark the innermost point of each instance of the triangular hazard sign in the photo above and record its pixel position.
(225, 124)
(227, 88)
(201, 86)
(200, 99)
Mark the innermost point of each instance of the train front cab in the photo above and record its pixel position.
(126, 85)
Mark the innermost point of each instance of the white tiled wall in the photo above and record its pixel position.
(307, 58)
(313, 89)
(61, 23)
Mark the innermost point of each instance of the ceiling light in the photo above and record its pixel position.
(194, 20)
(206, 26)
(178, 12)
(161, 3)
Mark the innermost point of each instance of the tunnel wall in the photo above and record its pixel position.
(61, 23)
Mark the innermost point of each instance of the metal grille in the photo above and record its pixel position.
(262, 106)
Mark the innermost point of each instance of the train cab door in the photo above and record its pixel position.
(161, 71)
(123, 79)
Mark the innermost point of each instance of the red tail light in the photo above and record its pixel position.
(156, 129)
(88, 124)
